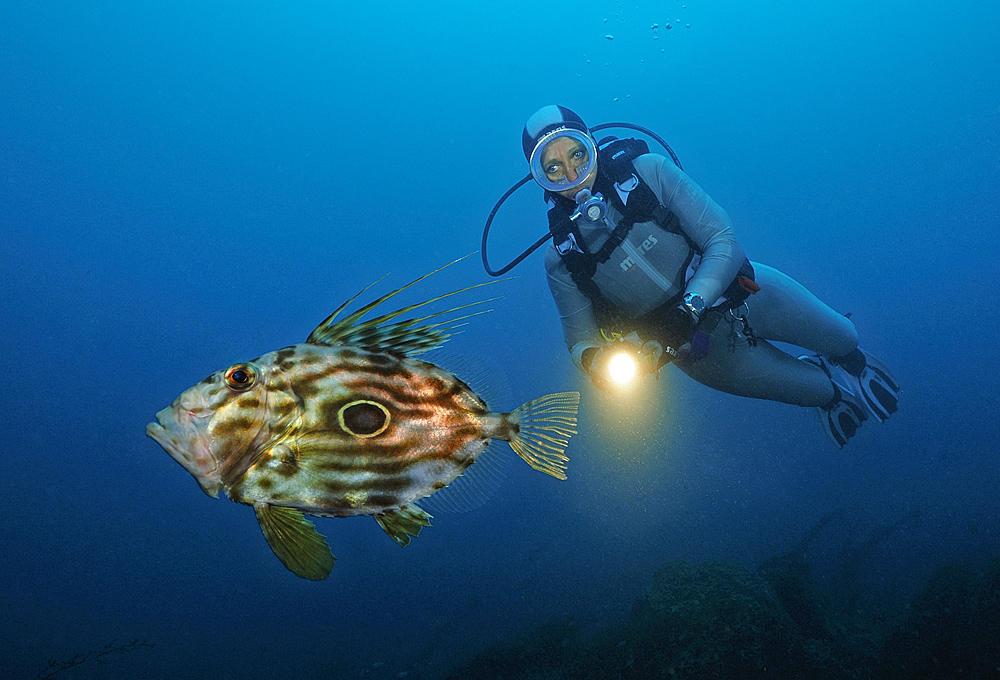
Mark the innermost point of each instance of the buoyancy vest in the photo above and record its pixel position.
(616, 167)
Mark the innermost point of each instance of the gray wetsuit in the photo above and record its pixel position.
(653, 265)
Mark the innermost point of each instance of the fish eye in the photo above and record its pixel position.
(363, 418)
(241, 377)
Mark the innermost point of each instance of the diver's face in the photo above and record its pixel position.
(563, 159)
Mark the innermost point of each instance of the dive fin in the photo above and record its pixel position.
(845, 413)
(295, 541)
(841, 420)
(408, 336)
(872, 382)
(879, 389)
(540, 431)
(403, 523)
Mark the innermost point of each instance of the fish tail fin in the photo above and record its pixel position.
(540, 431)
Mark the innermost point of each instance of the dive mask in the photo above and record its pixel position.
(563, 159)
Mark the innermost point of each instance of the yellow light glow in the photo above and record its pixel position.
(622, 368)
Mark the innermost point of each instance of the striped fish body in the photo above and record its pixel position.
(349, 431)
(349, 423)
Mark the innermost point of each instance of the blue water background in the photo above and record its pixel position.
(188, 184)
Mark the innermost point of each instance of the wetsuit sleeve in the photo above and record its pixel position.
(702, 219)
(576, 312)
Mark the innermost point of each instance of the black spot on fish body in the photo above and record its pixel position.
(364, 418)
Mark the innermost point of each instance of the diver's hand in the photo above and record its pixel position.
(678, 327)
(593, 359)
(653, 356)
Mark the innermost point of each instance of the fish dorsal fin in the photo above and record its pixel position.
(403, 523)
(408, 336)
(295, 541)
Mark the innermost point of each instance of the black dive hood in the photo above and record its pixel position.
(537, 244)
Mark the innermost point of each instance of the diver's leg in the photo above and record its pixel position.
(785, 311)
(762, 371)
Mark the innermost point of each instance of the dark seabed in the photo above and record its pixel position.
(185, 185)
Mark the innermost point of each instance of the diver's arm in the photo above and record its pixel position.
(576, 312)
(702, 219)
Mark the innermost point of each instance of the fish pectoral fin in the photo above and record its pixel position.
(540, 431)
(295, 541)
(403, 523)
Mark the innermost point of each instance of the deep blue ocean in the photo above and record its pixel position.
(184, 185)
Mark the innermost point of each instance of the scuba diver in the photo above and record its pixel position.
(644, 264)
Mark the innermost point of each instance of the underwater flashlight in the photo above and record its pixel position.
(625, 359)
(622, 368)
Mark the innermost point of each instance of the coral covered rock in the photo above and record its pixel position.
(952, 629)
(717, 620)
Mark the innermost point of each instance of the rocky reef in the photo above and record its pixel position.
(717, 620)
(952, 629)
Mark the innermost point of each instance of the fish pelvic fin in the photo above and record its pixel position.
(540, 431)
(409, 336)
(295, 541)
(403, 523)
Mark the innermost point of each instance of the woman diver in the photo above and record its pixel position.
(641, 257)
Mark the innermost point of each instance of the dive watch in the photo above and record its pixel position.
(695, 305)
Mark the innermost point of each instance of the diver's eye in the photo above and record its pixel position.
(241, 377)
(363, 418)
(579, 153)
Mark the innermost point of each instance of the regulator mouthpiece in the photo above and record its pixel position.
(590, 207)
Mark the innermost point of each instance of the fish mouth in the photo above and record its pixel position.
(181, 433)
